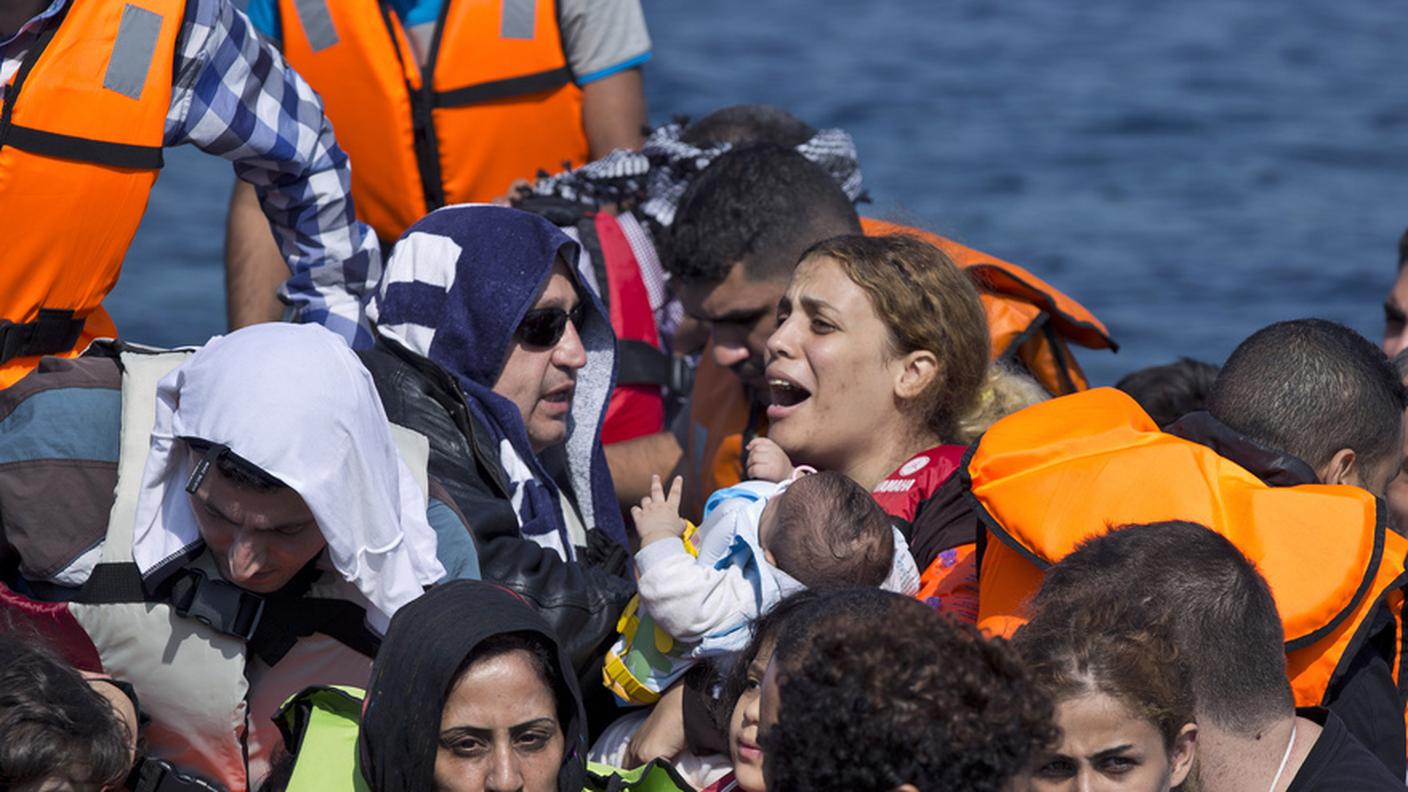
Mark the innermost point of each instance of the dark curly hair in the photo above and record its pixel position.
(53, 723)
(910, 697)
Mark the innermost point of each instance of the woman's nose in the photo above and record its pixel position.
(504, 774)
(780, 343)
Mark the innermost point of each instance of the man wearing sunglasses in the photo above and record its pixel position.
(491, 344)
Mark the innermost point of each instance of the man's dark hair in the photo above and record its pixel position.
(53, 724)
(751, 123)
(1403, 250)
(830, 531)
(1309, 388)
(907, 697)
(1171, 391)
(759, 206)
(1222, 615)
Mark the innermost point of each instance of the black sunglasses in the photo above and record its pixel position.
(543, 327)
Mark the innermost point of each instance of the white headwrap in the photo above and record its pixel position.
(296, 402)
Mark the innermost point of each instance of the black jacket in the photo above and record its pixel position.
(582, 601)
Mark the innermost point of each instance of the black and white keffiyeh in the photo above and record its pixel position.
(655, 177)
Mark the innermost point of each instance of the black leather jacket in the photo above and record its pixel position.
(581, 600)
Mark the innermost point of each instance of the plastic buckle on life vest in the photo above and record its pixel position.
(220, 605)
(159, 775)
(681, 375)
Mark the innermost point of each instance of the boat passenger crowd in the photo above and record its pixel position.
(552, 452)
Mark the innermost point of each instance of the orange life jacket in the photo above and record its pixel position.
(494, 102)
(81, 137)
(1054, 474)
(1027, 318)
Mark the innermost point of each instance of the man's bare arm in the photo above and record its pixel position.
(613, 114)
(634, 461)
(254, 268)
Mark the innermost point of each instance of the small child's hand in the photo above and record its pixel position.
(767, 461)
(658, 515)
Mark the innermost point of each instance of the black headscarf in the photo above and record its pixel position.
(425, 646)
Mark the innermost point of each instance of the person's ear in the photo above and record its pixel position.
(1343, 468)
(1185, 749)
(914, 373)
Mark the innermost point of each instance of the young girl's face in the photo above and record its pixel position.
(743, 726)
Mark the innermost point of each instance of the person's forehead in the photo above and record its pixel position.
(737, 293)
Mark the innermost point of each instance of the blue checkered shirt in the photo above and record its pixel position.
(234, 96)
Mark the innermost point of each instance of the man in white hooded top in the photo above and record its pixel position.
(263, 545)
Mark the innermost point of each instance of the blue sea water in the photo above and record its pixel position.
(1190, 170)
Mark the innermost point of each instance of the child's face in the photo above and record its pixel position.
(743, 726)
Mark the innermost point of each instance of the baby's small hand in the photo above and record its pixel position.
(658, 515)
(767, 461)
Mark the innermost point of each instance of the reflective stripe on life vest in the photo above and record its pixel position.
(1027, 318)
(495, 101)
(1057, 473)
(81, 132)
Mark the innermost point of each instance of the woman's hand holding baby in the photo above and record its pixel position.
(658, 515)
(767, 461)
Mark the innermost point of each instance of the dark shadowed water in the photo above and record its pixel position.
(1190, 170)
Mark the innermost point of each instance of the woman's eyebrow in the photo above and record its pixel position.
(815, 305)
(1118, 749)
(465, 731)
(532, 724)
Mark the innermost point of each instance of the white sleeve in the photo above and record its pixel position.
(602, 37)
(688, 599)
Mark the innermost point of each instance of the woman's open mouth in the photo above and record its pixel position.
(786, 397)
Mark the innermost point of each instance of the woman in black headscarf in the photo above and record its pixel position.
(509, 717)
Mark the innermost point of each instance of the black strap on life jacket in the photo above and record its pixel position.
(53, 332)
(639, 363)
(269, 625)
(158, 775)
(495, 90)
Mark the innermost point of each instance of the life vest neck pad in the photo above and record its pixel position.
(1057, 473)
(1045, 479)
(1028, 319)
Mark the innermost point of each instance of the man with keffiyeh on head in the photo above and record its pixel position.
(489, 345)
